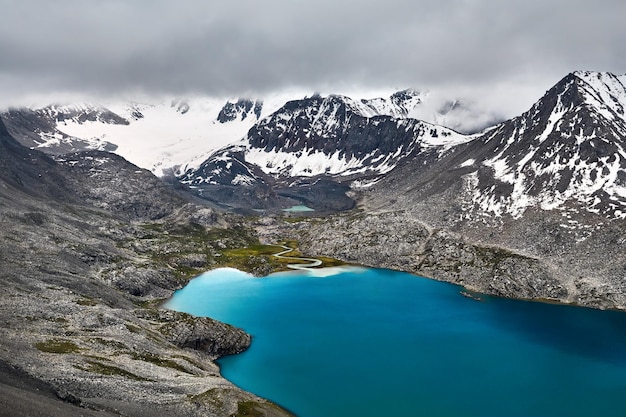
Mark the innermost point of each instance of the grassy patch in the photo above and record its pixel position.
(190, 249)
(113, 344)
(495, 256)
(157, 360)
(86, 301)
(255, 257)
(57, 346)
(110, 370)
(253, 250)
(330, 262)
(256, 409)
(212, 396)
(248, 408)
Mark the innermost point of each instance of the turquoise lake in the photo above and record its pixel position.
(371, 342)
(298, 209)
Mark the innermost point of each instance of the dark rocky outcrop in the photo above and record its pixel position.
(209, 336)
(241, 109)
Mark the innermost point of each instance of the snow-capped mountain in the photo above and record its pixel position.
(174, 135)
(39, 128)
(567, 152)
(571, 145)
(241, 109)
(162, 136)
(334, 136)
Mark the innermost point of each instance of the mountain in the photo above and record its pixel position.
(162, 135)
(38, 128)
(29, 172)
(566, 152)
(334, 138)
(170, 135)
(532, 208)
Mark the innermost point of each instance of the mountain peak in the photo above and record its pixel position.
(82, 112)
(603, 91)
(240, 110)
(570, 146)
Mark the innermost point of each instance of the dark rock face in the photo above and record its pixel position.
(330, 125)
(321, 194)
(227, 168)
(33, 127)
(326, 141)
(241, 109)
(29, 171)
(199, 333)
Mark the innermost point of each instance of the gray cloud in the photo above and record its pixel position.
(506, 52)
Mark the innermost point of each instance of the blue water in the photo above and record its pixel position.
(296, 209)
(371, 342)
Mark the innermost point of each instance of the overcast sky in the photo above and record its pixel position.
(506, 52)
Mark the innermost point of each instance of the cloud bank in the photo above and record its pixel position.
(506, 53)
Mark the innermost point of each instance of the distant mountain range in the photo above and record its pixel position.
(164, 136)
(567, 148)
(172, 135)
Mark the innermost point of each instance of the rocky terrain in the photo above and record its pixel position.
(89, 245)
(531, 208)
(536, 259)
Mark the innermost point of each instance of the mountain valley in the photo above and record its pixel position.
(533, 207)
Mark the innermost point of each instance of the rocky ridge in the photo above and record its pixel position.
(88, 246)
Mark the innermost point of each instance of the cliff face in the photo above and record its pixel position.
(83, 262)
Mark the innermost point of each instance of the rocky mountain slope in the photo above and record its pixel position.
(566, 153)
(331, 139)
(87, 244)
(533, 208)
(40, 128)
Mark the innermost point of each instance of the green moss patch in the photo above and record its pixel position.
(157, 360)
(110, 370)
(257, 409)
(57, 346)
